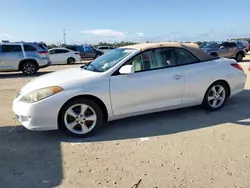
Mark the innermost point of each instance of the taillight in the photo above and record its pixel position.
(43, 52)
(237, 66)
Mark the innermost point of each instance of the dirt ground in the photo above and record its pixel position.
(181, 148)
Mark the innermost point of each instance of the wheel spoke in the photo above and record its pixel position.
(84, 127)
(91, 118)
(221, 89)
(214, 103)
(71, 113)
(214, 90)
(83, 109)
(72, 124)
(210, 98)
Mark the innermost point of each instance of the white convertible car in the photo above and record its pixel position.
(127, 81)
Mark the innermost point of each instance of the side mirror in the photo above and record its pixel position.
(127, 69)
(222, 47)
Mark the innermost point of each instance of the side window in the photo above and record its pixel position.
(232, 45)
(63, 51)
(11, 48)
(51, 51)
(29, 48)
(42, 46)
(88, 49)
(185, 57)
(57, 51)
(165, 57)
(154, 59)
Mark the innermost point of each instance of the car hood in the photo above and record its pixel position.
(58, 78)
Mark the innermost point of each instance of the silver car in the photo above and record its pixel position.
(25, 57)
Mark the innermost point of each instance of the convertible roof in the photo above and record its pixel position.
(191, 47)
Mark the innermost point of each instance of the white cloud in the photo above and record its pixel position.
(105, 33)
(110, 35)
(139, 34)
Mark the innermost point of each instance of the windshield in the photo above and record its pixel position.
(109, 59)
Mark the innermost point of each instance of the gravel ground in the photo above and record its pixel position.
(181, 148)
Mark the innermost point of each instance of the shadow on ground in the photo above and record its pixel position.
(34, 159)
(29, 160)
(8, 75)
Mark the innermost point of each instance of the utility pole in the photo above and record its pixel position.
(64, 36)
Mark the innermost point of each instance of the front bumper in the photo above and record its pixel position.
(39, 116)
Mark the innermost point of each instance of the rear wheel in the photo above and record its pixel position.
(80, 117)
(29, 68)
(239, 57)
(71, 60)
(215, 96)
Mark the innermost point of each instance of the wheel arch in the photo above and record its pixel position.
(220, 81)
(27, 60)
(89, 97)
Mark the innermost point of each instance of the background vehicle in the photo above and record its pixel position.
(25, 57)
(105, 49)
(63, 56)
(86, 51)
(170, 75)
(228, 49)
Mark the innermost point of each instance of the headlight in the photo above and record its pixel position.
(40, 94)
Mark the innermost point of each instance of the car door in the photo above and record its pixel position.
(11, 55)
(223, 50)
(198, 76)
(89, 52)
(156, 83)
(53, 57)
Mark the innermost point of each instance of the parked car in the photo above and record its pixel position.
(241, 45)
(228, 49)
(63, 56)
(105, 49)
(25, 57)
(128, 81)
(246, 44)
(86, 51)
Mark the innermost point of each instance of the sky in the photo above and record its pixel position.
(127, 20)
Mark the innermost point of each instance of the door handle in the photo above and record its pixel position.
(177, 77)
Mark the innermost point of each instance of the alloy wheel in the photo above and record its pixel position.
(216, 96)
(29, 68)
(80, 118)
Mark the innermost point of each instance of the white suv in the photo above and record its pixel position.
(22, 56)
(105, 49)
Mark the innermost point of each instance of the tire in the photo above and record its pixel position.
(239, 57)
(71, 60)
(79, 126)
(29, 68)
(211, 96)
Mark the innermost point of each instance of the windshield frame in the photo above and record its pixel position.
(113, 66)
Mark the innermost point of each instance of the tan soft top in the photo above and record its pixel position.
(191, 47)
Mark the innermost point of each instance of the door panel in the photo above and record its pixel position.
(10, 61)
(146, 90)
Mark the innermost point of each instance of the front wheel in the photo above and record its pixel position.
(215, 96)
(80, 117)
